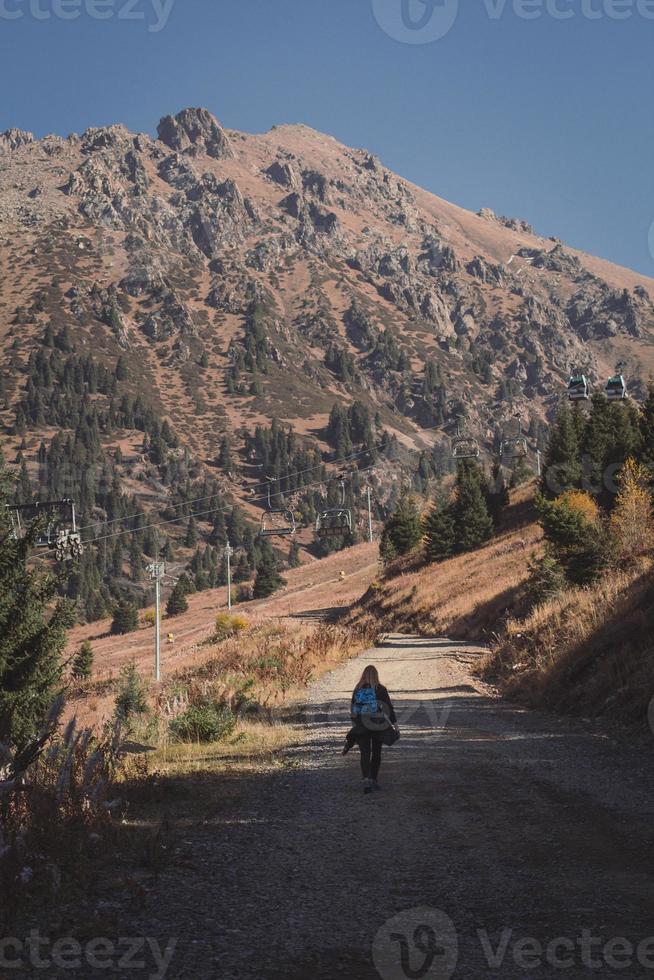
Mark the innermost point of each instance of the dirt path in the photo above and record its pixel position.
(493, 823)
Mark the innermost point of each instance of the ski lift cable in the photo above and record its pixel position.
(225, 510)
(256, 486)
(215, 510)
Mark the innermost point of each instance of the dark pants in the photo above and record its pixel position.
(370, 746)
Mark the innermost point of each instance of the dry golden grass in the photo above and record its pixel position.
(587, 652)
(468, 596)
(252, 745)
(268, 664)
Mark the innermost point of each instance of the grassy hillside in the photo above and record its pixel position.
(468, 596)
(587, 652)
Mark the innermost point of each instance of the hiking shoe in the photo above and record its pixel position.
(367, 786)
(375, 784)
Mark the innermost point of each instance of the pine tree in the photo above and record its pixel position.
(225, 455)
(611, 435)
(125, 619)
(236, 527)
(646, 455)
(338, 431)
(24, 485)
(440, 533)
(177, 603)
(546, 580)
(268, 579)
(131, 698)
(294, 554)
(403, 530)
(33, 624)
(562, 467)
(117, 560)
(473, 523)
(191, 538)
(83, 662)
(242, 571)
(135, 558)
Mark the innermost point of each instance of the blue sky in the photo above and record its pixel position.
(544, 118)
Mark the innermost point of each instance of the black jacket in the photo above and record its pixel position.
(384, 697)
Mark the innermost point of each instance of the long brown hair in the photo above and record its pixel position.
(370, 677)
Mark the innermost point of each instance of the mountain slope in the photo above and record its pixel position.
(159, 247)
(159, 295)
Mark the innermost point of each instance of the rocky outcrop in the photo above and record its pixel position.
(557, 259)
(487, 272)
(436, 257)
(316, 184)
(170, 320)
(195, 131)
(313, 219)
(514, 224)
(101, 197)
(283, 173)
(268, 253)
(596, 312)
(12, 139)
(518, 224)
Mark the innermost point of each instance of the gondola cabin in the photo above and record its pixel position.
(578, 388)
(616, 389)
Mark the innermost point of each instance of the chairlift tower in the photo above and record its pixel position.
(368, 493)
(157, 570)
(228, 553)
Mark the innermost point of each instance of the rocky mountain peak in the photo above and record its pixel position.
(11, 139)
(219, 259)
(195, 131)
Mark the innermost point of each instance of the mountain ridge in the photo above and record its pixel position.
(245, 277)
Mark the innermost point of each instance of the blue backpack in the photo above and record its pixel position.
(365, 702)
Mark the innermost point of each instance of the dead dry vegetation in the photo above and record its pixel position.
(466, 597)
(119, 793)
(586, 652)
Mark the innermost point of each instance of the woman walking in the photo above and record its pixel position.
(373, 715)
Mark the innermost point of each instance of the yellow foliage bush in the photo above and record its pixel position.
(228, 626)
(581, 503)
(149, 617)
(632, 520)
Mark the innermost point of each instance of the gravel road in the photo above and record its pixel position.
(498, 833)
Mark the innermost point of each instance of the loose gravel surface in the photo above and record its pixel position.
(497, 832)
